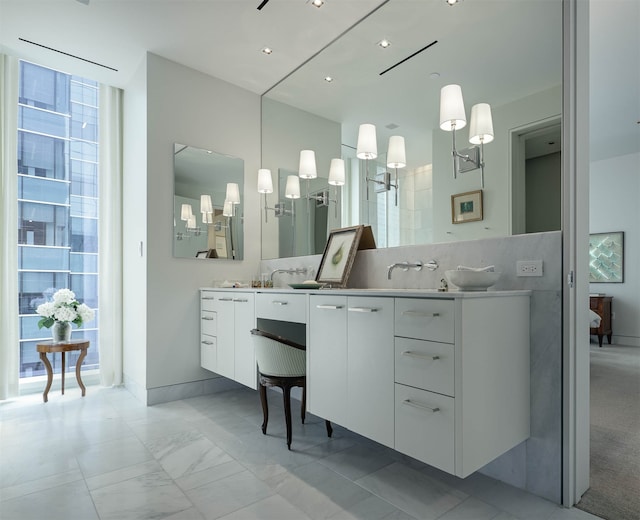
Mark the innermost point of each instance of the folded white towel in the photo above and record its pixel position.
(488, 269)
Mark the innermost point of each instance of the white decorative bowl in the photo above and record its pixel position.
(472, 280)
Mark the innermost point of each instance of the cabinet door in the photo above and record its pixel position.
(327, 358)
(225, 338)
(370, 362)
(245, 360)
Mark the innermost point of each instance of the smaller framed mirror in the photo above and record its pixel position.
(207, 204)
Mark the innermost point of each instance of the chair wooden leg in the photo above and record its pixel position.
(265, 408)
(329, 428)
(286, 392)
(303, 407)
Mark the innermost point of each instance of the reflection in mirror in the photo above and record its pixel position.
(505, 54)
(207, 204)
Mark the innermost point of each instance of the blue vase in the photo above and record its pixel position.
(61, 331)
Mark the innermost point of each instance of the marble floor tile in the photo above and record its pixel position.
(152, 495)
(412, 491)
(112, 455)
(317, 490)
(221, 497)
(109, 457)
(71, 501)
(274, 507)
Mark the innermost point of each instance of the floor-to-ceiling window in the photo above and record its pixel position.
(57, 204)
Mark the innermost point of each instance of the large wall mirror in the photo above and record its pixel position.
(207, 204)
(507, 54)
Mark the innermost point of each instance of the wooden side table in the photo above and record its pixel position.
(601, 305)
(63, 347)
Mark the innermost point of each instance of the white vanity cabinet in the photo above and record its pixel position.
(226, 346)
(461, 379)
(350, 363)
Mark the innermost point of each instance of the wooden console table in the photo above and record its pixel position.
(601, 305)
(62, 347)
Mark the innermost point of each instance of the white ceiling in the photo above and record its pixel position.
(223, 38)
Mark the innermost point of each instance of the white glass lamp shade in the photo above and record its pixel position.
(185, 212)
(233, 193)
(292, 190)
(207, 218)
(396, 156)
(307, 169)
(367, 144)
(227, 209)
(481, 125)
(205, 204)
(452, 108)
(265, 182)
(336, 172)
(191, 222)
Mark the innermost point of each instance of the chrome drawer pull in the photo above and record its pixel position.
(421, 314)
(207, 342)
(208, 298)
(241, 300)
(332, 307)
(208, 318)
(408, 402)
(362, 309)
(279, 302)
(419, 355)
(226, 299)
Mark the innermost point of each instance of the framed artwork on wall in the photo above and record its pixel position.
(606, 257)
(466, 207)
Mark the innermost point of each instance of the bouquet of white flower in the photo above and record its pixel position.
(64, 308)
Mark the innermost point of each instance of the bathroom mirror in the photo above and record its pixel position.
(203, 226)
(507, 54)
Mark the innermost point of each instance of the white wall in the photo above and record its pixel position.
(185, 106)
(498, 183)
(286, 131)
(135, 233)
(614, 206)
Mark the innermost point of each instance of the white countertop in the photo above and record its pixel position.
(395, 293)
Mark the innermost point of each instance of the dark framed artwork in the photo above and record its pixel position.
(606, 257)
(338, 256)
(466, 207)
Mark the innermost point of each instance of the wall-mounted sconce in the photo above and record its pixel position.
(190, 225)
(453, 117)
(265, 185)
(367, 149)
(206, 209)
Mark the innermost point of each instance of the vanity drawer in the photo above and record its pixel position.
(425, 426)
(208, 353)
(207, 300)
(432, 320)
(425, 365)
(282, 307)
(209, 323)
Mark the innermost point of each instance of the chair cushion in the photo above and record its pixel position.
(278, 359)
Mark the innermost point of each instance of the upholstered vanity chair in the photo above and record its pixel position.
(281, 363)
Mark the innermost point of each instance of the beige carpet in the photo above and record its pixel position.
(614, 492)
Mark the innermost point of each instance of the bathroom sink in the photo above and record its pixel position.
(472, 280)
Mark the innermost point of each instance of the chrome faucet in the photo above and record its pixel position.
(432, 265)
(297, 270)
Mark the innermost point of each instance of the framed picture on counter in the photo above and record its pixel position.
(338, 256)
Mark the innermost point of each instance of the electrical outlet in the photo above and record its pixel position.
(529, 267)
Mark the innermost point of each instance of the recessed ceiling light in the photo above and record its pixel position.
(384, 43)
(452, 2)
(328, 79)
(434, 75)
(317, 3)
(267, 50)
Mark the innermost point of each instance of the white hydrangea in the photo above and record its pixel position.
(85, 312)
(46, 309)
(65, 313)
(64, 296)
